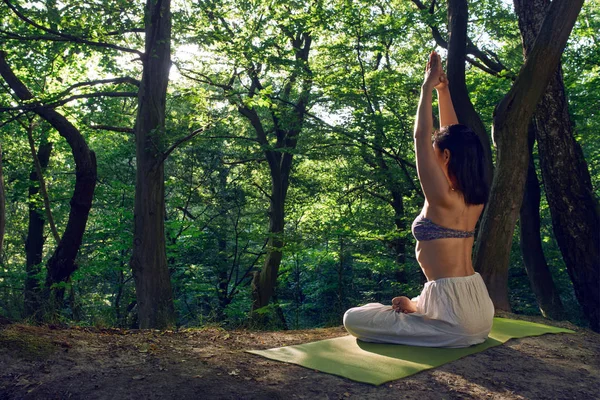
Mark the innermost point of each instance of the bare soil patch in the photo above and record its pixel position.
(90, 363)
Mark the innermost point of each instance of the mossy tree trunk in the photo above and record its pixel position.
(34, 243)
(149, 261)
(511, 119)
(2, 205)
(458, 16)
(540, 278)
(62, 263)
(573, 206)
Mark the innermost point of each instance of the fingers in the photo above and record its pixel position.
(434, 59)
(431, 60)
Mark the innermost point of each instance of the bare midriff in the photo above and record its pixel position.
(443, 258)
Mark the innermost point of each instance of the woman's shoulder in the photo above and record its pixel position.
(456, 213)
(456, 202)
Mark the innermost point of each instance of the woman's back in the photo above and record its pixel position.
(449, 256)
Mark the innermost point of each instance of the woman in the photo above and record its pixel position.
(454, 309)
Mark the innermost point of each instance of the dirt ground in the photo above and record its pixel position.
(89, 363)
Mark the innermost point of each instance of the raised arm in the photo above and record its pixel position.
(446, 109)
(433, 181)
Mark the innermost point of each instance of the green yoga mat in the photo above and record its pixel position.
(379, 363)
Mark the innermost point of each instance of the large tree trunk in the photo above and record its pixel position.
(149, 261)
(511, 118)
(573, 206)
(62, 263)
(458, 15)
(540, 278)
(34, 243)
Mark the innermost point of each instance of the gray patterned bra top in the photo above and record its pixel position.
(425, 229)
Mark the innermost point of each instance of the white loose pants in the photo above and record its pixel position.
(451, 312)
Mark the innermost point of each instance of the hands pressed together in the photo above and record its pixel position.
(435, 77)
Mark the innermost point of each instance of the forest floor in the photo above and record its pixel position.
(49, 362)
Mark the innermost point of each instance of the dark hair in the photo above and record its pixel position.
(467, 161)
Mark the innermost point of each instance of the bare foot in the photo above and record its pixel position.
(403, 304)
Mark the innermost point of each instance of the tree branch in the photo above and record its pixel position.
(244, 161)
(125, 79)
(112, 128)
(13, 118)
(183, 140)
(245, 274)
(230, 137)
(491, 67)
(91, 96)
(267, 195)
(362, 141)
(132, 30)
(66, 36)
(69, 99)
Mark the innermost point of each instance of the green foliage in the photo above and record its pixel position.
(355, 151)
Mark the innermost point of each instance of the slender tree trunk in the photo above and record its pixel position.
(120, 284)
(149, 261)
(393, 185)
(573, 206)
(34, 243)
(399, 243)
(264, 282)
(297, 293)
(42, 183)
(2, 205)
(281, 322)
(458, 16)
(280, 167)
(224, 266)
(540, 278)
(511, 118)
(222, 278)
(62, 263)
(377, 162)
(340, 275)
